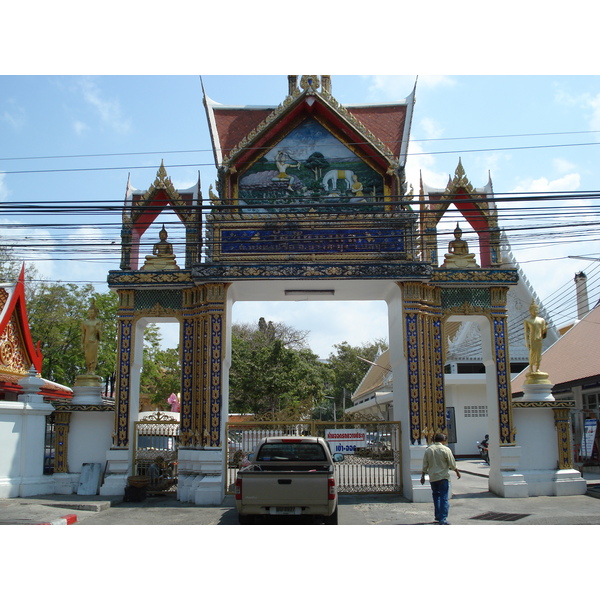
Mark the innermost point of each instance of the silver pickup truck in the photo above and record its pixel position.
(289, 476)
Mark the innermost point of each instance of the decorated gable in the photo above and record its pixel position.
(309, 166)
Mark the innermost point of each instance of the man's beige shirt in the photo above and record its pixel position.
(437, 461)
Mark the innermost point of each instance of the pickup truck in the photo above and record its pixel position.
(288, 476)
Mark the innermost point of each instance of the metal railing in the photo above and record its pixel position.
(156, 442)
(371, 465)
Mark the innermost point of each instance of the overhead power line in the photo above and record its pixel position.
(201, 150)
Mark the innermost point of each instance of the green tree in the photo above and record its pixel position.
(161, 371)
(273, 373)
(348, 368)
(55, 312)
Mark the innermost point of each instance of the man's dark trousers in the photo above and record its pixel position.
(439, 490)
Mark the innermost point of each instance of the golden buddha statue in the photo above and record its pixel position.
(458, 256)
(535, 329)
(162, 257)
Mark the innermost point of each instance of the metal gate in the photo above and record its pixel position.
(370, 466)
(156, 442)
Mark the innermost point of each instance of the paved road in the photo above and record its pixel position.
(471, 504)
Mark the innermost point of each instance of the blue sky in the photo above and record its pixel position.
(79, 138)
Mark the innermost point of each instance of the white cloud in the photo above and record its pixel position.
(432, 128)
(4, 191)
(109, 110)
(14, 115)
(27, 244)
(586, 102)
(394, 87)
(93, 263)
(594, 104)
(422, 164)
(567, 183)
(563, 166)
(79, 127)
(329, 323)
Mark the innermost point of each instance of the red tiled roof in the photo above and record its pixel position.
(234, 123)
(573, 357)
(385, 122)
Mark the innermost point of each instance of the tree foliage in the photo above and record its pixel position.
(161, 371)
(348, 370)
(273, 372)
(56, 311)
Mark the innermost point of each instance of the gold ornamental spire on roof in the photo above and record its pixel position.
(162, 182)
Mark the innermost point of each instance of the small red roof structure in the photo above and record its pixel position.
(17, 350)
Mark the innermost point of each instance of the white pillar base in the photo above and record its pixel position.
(569, 482)
(35, 486)
(417, 492)
(117, 472)
(65, 483)
(200, 478)
(505, 479)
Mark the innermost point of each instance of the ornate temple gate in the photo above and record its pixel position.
(274, 235)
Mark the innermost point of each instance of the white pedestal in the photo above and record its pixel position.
(200, 478)
(569, 482)
(116, 473)
(87, 394)
(505, 479)
(537, 392)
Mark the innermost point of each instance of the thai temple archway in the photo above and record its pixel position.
(310, 202)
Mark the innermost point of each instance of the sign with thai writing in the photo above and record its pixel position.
(258, 241)
(589, 435)
(346, 441)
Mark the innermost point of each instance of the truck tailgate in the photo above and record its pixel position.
(282, 488)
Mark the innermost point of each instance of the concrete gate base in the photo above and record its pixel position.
(200, 477)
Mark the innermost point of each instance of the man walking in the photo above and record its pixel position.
(437, 461)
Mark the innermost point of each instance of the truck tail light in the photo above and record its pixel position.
(238, 488)
(331, 486)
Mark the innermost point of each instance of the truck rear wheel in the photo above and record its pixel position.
(246, 519)
(332, 519)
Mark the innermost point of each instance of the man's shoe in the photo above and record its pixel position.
(444, 523)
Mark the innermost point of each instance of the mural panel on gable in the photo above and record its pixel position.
(310, 167)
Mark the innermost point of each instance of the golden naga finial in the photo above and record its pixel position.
(213, 197)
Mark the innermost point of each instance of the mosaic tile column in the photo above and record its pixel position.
(124, 357)
(500, 340)
(61, 441)
(202, 366)
(422, 314)
(563, 432)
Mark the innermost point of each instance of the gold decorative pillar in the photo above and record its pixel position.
(62, 421)
(502, 358)
(202, 365)
(563, 433)
(422, 314)
(123, 378)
